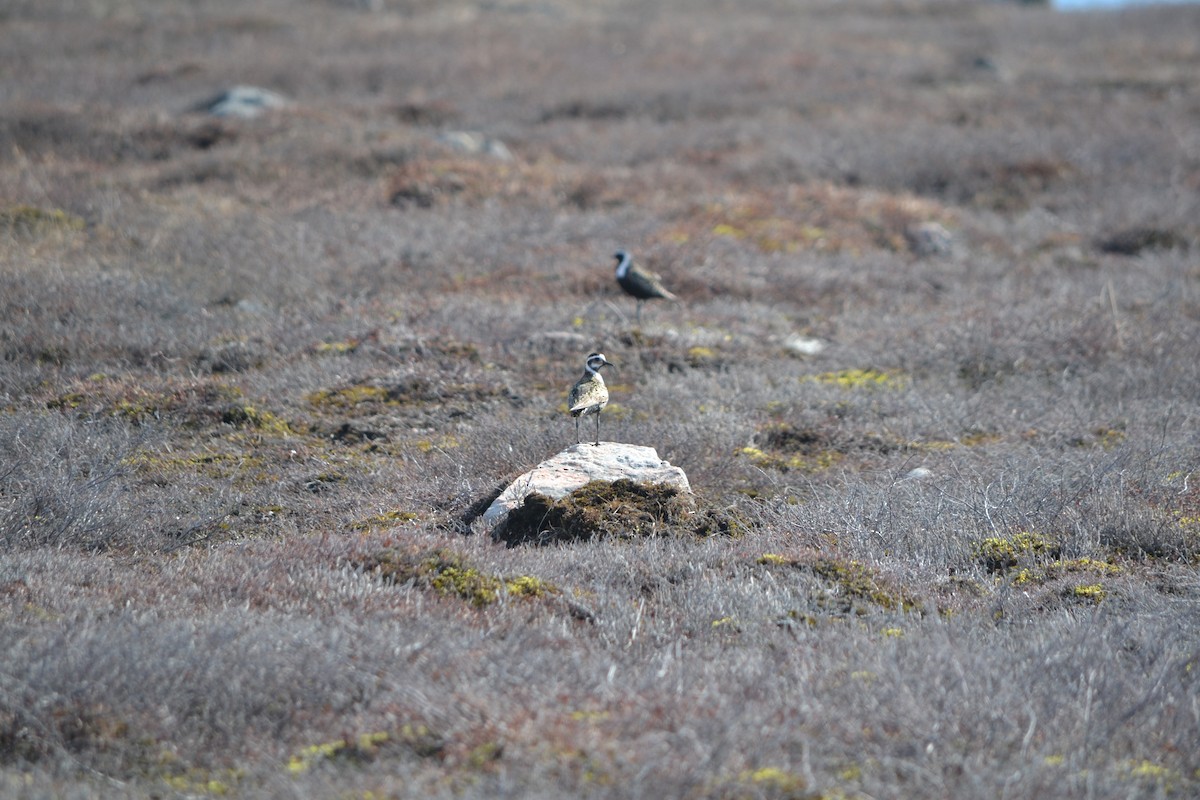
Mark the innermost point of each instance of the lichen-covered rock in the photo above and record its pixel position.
(581, 464)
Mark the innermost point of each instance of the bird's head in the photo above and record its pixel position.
(623, 262)
(596, 361)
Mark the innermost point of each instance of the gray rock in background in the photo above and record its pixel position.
(929, 239)
(475, 144)
(243, 102)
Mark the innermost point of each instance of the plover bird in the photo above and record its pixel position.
(589, 395)
(639, 283)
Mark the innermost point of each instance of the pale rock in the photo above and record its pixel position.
(804, 345)
(929, 239)
(476, 144)
(917, 474)
(580, 464)
(565, 337)
(243, 102)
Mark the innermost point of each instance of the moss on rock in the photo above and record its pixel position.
(618, 508)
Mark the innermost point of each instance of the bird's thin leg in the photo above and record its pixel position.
(639, 313)
(576, 430)
(597, 429)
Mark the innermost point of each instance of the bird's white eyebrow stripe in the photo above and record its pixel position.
(623, 264)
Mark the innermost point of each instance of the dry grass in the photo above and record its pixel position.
(258, 377)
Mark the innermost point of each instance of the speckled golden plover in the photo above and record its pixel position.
(589, 395)
(639, 283)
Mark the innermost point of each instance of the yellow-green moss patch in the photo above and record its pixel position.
(248, 416)
(702, 357)
(193, 782)
(1055, 568)
(1089, 592)
(337, 348)
(1105, 437)
(817, 217)
(67, 400)
(793, 616)
(193, 404)
(1147, 772)
(349, 397)
(407, 392)
(1029, 559)
(869, 378)
(783, 447)
(442, 443)
(856, 584)
(853, 587)
(33, 221)
(130, 403)
(529, 586)
(774, 780)
(239, 467)
(365, 747)
(384, 520)
(485, 753)
(977, 438)
(477, 588)
(449, 574)
(776, 783)
(788, 463)
(1001, 553)
(590, 715)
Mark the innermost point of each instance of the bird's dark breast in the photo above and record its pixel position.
(639, 286)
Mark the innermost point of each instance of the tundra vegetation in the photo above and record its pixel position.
(934, 378)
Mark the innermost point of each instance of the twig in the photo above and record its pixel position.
(1112, 305)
